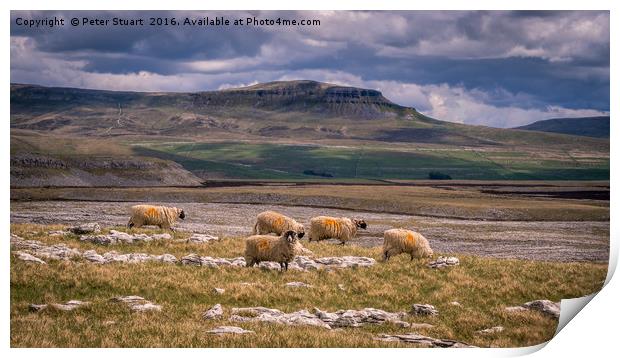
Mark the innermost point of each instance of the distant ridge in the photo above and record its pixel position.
(597, 127)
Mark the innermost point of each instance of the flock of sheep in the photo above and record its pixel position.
(262, 246)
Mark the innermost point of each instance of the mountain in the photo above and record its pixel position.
(297, 110)
(597, 127)
(277, 130)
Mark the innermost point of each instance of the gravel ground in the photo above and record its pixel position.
(535, 240)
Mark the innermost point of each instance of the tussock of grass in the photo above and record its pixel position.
(483, 287)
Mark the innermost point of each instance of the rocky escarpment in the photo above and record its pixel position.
(29, 169)
(303, 96)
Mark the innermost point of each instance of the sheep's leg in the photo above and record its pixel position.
(286, 265)
(281, 266)
(411, 257)
(130, 224)
(386, 256)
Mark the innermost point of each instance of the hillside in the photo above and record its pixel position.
(281, 130)
(597, 127)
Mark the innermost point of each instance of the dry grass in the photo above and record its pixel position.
(483, 287)
(412, 200)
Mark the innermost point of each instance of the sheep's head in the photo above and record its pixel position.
(291, 237)
(428, 252)
(182, 214)
(360, 223)
(300, 231)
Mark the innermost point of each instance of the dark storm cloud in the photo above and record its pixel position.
(502, 61)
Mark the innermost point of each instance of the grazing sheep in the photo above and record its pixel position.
(271, 248)
(325, 227)
(273, 222)
(161, 216)
(398, 241)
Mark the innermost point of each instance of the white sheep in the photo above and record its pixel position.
(326, 227)
(161, 216)
(398, 241)
(271, 248)
(274, 222)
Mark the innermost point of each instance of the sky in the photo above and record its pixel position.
(493, 68)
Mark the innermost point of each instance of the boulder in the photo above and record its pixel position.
(87, 228)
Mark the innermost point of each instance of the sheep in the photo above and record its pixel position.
(343, 229)
(271, 248)
(273, 222)
(398, 241)
(161, 216)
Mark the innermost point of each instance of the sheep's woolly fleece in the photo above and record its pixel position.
(36, 251)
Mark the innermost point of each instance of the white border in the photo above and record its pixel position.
(589, 333)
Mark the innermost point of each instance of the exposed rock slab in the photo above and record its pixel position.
(214, 312)
(423, 340)
(545, 306)
(115, 237)
(201, 238)
(423, 309)
(299, 263)
(263, 314)
(68, 306)
(24, 256)
(86, 228)
(356, 318)
(63, 252)
(318, 318)
(228, 330)
(443, 261)
(492, 330)
(219, 291)
(297, 284)
(137, 303)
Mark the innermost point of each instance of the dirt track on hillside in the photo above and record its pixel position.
(535, 240)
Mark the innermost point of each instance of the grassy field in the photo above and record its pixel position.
(483, 287)
(377, 161)
(440, 201)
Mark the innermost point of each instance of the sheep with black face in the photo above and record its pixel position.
(271, 248)
(326, 227)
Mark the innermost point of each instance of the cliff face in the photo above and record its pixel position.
(302, 96)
